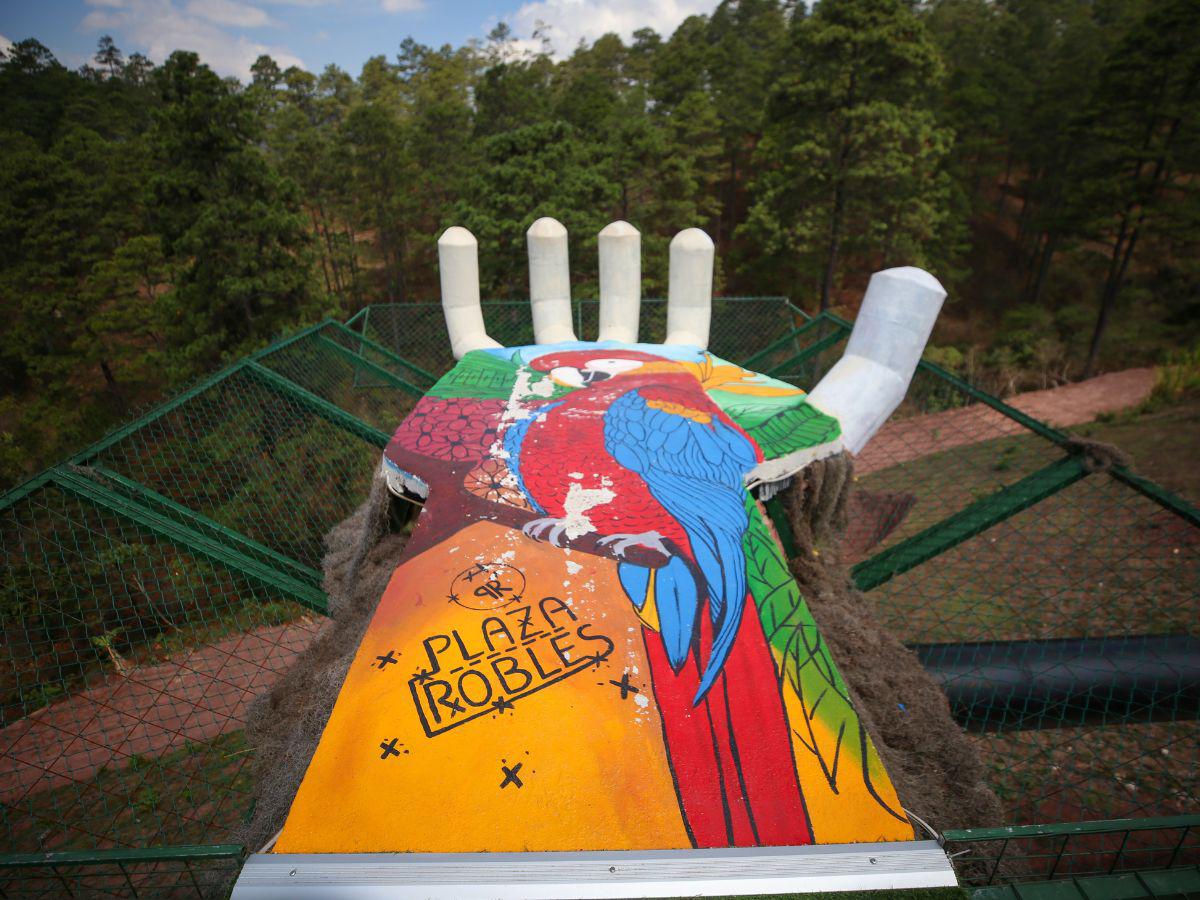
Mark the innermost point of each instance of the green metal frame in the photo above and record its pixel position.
(1062, 829)
(1066, 833)
(793, 335)
(63, 866)
(830, 340)
(216, 550)
(335, 415)
(154, 500)
(1173, 884)
(190, 852)
(119, 434)
(966, 523)
(1164, 498)
(355, 359)
(252, 365)
(381, 350)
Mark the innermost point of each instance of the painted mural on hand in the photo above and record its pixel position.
(594, 641)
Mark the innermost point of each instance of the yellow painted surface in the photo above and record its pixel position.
(593, 767)
(850, 813)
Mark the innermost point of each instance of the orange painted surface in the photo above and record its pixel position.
(593, 768)
(850, 813)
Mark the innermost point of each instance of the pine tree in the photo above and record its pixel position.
(852, 160)
(1145, 153)
(234, 222)
(110, 57)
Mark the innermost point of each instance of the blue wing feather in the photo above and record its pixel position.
(635, 580)
(695, 470)
(677, 602)
(514, 439)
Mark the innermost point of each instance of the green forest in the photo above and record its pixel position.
(1039, 156)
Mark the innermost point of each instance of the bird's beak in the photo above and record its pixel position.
(568, 376)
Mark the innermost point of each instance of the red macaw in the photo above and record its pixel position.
(640, 455)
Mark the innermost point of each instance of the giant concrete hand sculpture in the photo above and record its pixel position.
(594, 641)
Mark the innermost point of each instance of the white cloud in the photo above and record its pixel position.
(396, 6)
(566, 22)
(227, 12)
(159, 27)
(5, 44)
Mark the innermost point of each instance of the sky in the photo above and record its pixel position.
(230, 34)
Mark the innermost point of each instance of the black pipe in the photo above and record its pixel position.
(1014, 685)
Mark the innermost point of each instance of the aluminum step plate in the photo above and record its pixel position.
(650, 873)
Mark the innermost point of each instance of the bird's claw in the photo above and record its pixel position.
(545, 529)
(620, 544)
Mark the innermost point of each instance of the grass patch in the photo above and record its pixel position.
(1162, 436)
(950, 480)
(197, 794)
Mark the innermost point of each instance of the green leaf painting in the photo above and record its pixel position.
(780, 430)
(829, 727)
(479, 376)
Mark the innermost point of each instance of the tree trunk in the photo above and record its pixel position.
(1003, 201)
(338, 282)
(324, 268)
(110, 382)
(401, 277)
(354, 280)
(1119, 264)
(1026, 209)
(1108, 299)
(732, 203)
(1035, 294)
(1031, 267)
(835, 243)
(386, 246)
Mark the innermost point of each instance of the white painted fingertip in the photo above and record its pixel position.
(870, 380)
(620, 282)
(458, 266)
(689, 293)
(550, 281)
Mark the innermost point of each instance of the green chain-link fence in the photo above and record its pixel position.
(154, 584)
(159, 580)
(417, 331)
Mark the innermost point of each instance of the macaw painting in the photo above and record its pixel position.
(594, 641)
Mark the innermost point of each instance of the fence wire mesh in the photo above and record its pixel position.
(159, 580)
(198, 871)
(130, 660)
(417, 332)
(1122, 858)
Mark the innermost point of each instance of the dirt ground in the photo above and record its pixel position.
(151, 711)
(902, 440)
